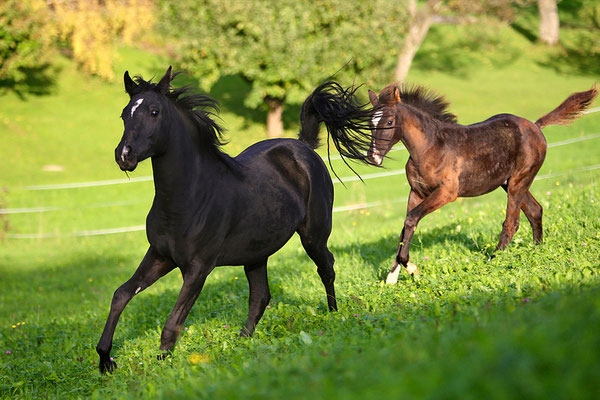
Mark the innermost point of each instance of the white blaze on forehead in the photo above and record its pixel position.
(136, 105)
(376, 117)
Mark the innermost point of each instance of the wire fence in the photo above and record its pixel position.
(136, 228)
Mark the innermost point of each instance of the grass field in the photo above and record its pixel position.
(523, 325)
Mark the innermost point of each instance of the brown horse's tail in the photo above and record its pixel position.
(569, 110)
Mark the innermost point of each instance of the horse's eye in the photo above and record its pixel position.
(390, 122)
(154, 113)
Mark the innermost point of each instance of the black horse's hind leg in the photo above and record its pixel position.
(322, 257)
(150, 270)
(259, 295)
(193, 281)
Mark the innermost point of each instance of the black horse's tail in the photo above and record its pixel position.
(346, 119)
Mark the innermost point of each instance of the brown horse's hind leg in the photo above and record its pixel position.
(533, 211)
(517, 190)
(150, 270)
(259, 295)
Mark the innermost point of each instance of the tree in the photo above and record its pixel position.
(285, 48)
(549, 23)
(23, 44)
(89, 29)
(92, 28)
(419, 24)
(455, 11)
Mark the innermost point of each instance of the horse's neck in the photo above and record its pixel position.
(183, 171)
(415, 133)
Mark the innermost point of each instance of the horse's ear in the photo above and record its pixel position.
(165, 82)
(397, 95)
(374, 99)
(130, 85)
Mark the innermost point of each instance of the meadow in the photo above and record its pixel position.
(522, 325)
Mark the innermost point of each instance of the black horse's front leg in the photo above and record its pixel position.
(149, 271)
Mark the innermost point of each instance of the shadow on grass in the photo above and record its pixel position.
(95, 277)
(38, 81)
(381, 252)
(231, 92)
(579, 58)
(525, 31)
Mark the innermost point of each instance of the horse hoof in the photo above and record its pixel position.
(245, 333)
(392, 277)
(107, 367)
(162, 356)
(412, 269)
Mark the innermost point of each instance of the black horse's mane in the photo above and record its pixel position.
(422, 98)
(196, 105)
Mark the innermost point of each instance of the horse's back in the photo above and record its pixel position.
(293, 164)
(292, 160)
(495, 149)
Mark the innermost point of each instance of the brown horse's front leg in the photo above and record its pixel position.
(413, 200)
(441, 196)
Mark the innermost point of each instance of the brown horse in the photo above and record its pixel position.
(448, 160)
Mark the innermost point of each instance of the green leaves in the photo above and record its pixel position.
(305, 338)
(22, 44)
(285, 48)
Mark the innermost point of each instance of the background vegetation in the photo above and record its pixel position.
(522, 325)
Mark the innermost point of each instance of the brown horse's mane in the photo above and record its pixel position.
(421, 98)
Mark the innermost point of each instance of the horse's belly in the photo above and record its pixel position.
(261, 234)
(251, 248)
(479, 184)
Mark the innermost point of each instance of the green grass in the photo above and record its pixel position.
(523, 325)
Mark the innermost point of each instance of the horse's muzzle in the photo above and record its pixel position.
(375, 157)
(126, 158)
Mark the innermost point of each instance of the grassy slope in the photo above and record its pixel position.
(522, 325)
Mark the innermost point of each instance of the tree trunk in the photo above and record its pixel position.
(549, 24)
(274, 121)
(418, 28)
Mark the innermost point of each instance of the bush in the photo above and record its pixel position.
(23, 44)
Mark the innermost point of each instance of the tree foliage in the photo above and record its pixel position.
(453, 11)
(285, 48)
(91, 28)
(22, 40)
(88, 29)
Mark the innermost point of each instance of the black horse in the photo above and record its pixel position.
(211, 209)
